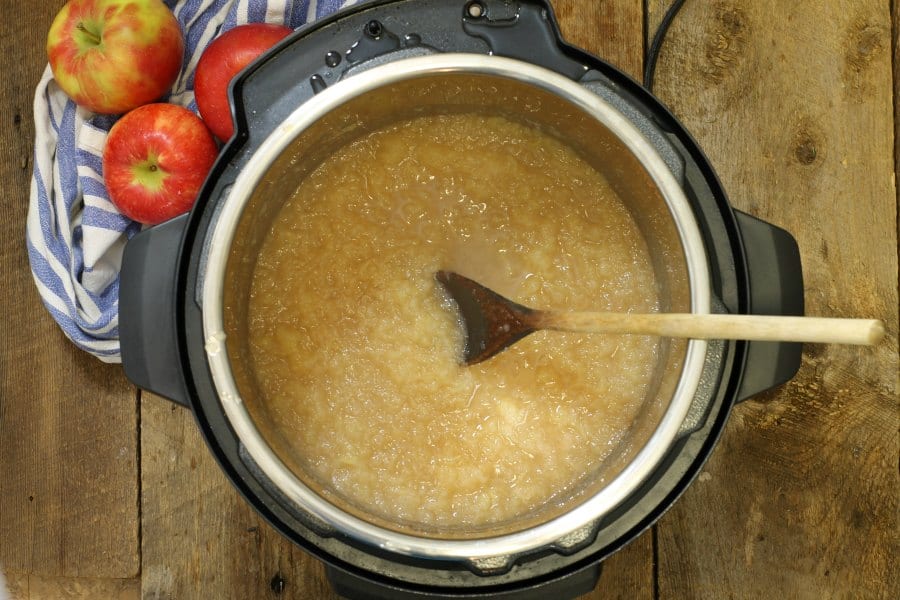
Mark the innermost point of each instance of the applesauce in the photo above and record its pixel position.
(356, 349)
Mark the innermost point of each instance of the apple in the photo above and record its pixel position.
(224, 58)
(155, 159)
(111, 56)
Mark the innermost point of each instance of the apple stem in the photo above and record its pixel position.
(93, 37)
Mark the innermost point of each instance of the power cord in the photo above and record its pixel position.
(658, 38)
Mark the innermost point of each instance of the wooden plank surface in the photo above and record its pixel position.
(32, 587)
(201, 539)
(792, 102)
(613, 30)
(68, 423)
(895, 39)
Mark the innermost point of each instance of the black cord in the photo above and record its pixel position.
(658, 38)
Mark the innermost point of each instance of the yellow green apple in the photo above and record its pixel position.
(111, 56)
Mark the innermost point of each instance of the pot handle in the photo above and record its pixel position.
(147, 326)
(775, 277)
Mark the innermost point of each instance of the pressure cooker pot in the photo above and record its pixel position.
(195, 292)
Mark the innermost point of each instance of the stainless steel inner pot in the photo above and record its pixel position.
(454, 83)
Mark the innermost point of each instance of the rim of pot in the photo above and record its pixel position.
(213, 280)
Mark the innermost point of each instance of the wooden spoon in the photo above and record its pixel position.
(493, 323)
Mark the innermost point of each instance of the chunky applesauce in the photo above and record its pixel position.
(356, 349)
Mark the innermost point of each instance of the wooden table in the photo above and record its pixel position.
(106, 492)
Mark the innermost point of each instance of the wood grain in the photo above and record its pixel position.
(201, 539)
(895, 42)
(31, 587)
(610, 29)
(792, 102)
(68, 453)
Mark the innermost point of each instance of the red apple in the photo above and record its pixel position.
(224, 58)
(111, 56)
(155, 160)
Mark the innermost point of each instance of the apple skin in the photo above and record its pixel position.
(224, 58)
(155, 160)
(111, 56)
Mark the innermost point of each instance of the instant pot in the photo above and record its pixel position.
(394, 59)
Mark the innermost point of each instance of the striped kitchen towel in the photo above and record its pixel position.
(75, 236)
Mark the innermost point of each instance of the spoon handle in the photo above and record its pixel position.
(728, 327)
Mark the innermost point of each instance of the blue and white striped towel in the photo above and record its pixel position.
(74, 234)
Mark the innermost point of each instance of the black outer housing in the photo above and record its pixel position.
(755, 269)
